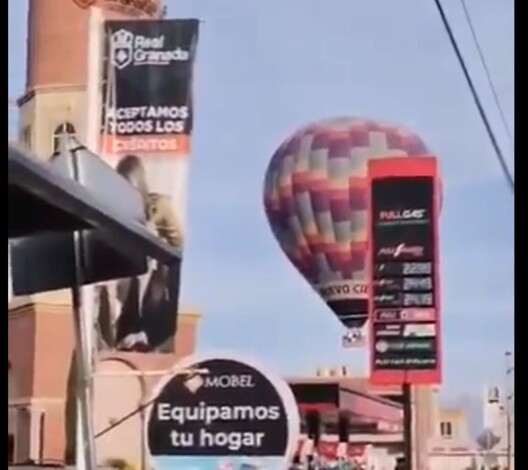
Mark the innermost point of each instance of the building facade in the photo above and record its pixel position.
(40, 354)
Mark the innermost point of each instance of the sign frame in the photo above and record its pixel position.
(188, 363)
(408, 167)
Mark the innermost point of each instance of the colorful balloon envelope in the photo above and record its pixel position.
(315, 198)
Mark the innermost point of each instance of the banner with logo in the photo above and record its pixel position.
(404, 305)
(147, 127)
(222, 412)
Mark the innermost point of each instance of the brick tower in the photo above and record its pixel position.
(57, 48)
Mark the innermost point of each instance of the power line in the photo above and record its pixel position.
(128, 416)
(487, 71)
(493, 139)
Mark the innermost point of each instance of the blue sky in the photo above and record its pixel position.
(267, 67)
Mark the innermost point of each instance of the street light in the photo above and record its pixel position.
(142, 374)
(12, 107)
(146, 373)
(508, 408)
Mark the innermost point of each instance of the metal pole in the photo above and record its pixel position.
(83, 296)
(181, 372)
(150, 373)
(9, 280)
(144, 400)
(507, 405)
(508, 441)
(85, 448)
(94, 79)
(93, 127)
(407, 426)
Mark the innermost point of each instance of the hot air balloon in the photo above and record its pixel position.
(315, 198)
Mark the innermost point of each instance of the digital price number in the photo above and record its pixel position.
(418, 300)
(417, 283)
(417, 269)
(382, 270)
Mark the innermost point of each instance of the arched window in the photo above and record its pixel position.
(493, 395)
(64, 128)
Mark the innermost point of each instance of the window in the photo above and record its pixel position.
(10, 448)
(26, 137)
(493, 395)
(66, 128)
(446, 429)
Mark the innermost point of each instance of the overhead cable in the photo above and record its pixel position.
(493, 139)
(487, 72)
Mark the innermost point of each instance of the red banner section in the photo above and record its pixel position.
(403, 275)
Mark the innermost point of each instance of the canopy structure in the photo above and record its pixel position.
(40, 200)
(333, 396)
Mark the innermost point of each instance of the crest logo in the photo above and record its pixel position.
(84, 3)
(121, 48)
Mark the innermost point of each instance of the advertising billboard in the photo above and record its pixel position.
(404, 305)
(147, 127)
(222, 412)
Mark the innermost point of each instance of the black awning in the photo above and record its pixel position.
(33, 199)
(40, 200)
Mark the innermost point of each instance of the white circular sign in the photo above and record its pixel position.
(220, 412)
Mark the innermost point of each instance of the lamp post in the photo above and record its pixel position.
(508, 408)
(12, 107)
(144, 402)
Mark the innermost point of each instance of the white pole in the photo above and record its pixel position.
(92, 129)
(84, 430)
(366, 346)
(85, 453)
(150, 373)
(9, 280)
(94, 79)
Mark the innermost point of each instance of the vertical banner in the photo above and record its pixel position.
(404, 305)
(147, 127)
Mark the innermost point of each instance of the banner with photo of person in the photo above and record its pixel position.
(147, 123)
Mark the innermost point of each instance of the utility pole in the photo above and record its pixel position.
(508, 408)
(407, 426)
(12, 107)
